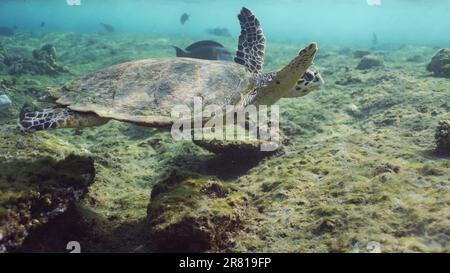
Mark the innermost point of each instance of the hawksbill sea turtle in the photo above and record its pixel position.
(144, 92)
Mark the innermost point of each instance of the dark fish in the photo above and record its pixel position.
(107, 27)
(219, 32)
(206, 50)
(7, 31)
(184, 18)
(42, 24)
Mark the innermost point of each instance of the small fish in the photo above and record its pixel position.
(219, 32)
(108, 27)
(184, 18)
(206, 50)
(42, 24)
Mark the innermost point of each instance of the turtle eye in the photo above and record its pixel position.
(309, 76)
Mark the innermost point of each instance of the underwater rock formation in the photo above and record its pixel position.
(360, 53)
(42, 63)
(442, 137)
(45, 58)
(189, 212)
(440, 63)
(369, 62)
(40, 177)
(249, 147)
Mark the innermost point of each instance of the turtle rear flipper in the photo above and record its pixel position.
(252, 42)
(60, 118)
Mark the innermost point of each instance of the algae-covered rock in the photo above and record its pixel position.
(189, 212)
(43, 63)
(442, 137)
(369, 62)
(40, 177)
(242, 146)
(440, 63)
(45, 58)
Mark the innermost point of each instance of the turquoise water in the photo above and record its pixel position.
(332, 21)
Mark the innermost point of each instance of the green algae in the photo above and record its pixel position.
(358, 169)
(440, 63)
(442, 137)
(190, 212)
(38, 182)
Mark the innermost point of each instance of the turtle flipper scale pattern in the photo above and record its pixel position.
(60, 118)
(251, 46)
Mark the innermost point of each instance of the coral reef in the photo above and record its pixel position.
(40, 177)
(440, 63)
(370, 61)
(442, 136)
(189, 212)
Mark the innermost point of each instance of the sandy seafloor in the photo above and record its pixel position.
(359, 172)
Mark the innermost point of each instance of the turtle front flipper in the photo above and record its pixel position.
(251, 44)
(60, 118)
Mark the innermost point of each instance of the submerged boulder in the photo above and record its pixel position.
(442, 137)
(40, 177)
(43, 62)
(190, 212)
(45, 58)
(440, 63)
(369, 62)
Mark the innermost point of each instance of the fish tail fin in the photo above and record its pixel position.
(180, 52)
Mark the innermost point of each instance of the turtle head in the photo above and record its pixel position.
(311, 80)
(281, 83)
